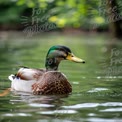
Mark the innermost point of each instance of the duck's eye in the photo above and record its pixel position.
(72, 56)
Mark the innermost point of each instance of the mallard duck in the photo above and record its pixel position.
(48, 80)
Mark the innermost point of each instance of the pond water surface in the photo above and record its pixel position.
(97, 85)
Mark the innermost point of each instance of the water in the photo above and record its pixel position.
(96, 96)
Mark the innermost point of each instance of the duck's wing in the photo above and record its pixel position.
(25, 73)
(25, 78)
(52, 82)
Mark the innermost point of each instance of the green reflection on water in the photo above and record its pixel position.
(91, 84)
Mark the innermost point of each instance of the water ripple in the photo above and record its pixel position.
(16, 114)
(92, 105)
(40, 105)
(111, 104)
(83, 105)
(101, 120)
(58, 112)
(97, 89)
(112, 110)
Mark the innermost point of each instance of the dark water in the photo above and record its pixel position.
(97, 85)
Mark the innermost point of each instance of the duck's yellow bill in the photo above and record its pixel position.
(72, 57)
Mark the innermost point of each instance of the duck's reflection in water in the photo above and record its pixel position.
(43, 102)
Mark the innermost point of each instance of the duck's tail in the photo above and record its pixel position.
(12, 77)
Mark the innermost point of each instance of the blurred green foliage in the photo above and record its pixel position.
(87, 14)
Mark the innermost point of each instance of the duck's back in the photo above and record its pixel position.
(30, 74)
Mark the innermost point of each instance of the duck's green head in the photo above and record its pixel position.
(58, 53)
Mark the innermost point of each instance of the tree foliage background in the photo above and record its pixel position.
(85, 14)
